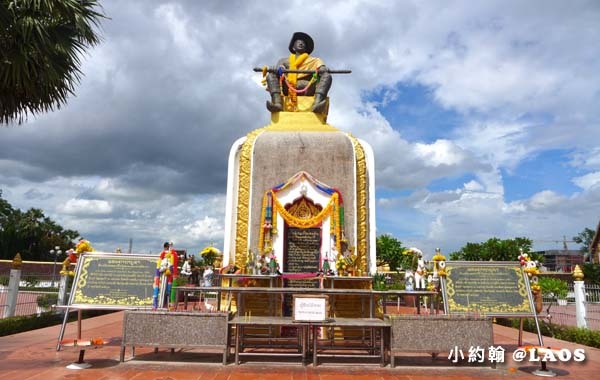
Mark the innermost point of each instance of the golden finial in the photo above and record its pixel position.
(578, 273)
(16, 263)
(438, 255)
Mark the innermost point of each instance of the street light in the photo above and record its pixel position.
(56, 251)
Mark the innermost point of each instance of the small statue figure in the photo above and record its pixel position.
(190, 271)
(301, 45)
(250, 262)
(409, 279)
(261, 264)
(326, 266)
(82, 246)
(273, 265)
(420, 273)
(207, 276)
(166, 271)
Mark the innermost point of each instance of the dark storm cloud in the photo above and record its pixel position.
(151, 111)
(141, 151)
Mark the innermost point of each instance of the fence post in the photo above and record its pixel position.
(13, 287)
(62, 290)
(579, 290)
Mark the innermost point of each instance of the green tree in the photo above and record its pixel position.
(591, 273)
(41, 43)
(585, 238)
(390, 251)
(495, 249)
(30, 233)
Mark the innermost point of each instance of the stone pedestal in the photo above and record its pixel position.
(435, 334)
(300, 142)
(175, 330)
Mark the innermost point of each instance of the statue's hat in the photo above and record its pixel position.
(310, 44)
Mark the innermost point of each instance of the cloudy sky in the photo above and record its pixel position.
(483, 116)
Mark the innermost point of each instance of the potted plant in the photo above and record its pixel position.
(556, 288)
(45, 302)
(179, 282)
(379, 281)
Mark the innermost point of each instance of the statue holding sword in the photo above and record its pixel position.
(299, 74)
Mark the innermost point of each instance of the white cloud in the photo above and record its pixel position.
(473, 186)
(588, 181)
(141, 151)
(85, 207)
(589, 159)
(502, 144)
(205, 229)
(441, 152)
(544, 200)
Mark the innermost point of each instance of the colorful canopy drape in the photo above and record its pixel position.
(334, 209)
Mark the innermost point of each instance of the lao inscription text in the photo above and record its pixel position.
(115, 281)
(303, 250)
(487, 289)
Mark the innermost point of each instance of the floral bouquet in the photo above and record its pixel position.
(209, 254)
(73, 255)
(379, 281)
(346, 263)
(531, 268)
(84, 246)
(341, 264)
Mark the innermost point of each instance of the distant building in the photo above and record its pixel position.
(594, 251)
(561, 260)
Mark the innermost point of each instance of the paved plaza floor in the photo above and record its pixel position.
(32, 356)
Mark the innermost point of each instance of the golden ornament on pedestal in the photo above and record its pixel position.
(578, 273)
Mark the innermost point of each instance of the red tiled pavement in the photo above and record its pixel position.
(33, 356)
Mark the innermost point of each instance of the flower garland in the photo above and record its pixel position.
(306, 223)
(531, 268)
(295, 91)
(271, 206)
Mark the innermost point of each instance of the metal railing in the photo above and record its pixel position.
(563, 312)
(32, 288)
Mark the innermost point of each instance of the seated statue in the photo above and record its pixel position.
(301, 45)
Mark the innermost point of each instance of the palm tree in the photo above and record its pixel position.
(31, 233)
(41, 42)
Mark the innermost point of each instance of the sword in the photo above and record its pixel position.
(286, 71)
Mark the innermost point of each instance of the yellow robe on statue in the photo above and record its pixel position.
(303, 62)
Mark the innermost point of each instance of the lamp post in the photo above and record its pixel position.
(55, 252)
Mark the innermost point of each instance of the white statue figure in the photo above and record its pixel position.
(420, 272)
(164, 265)
(409, 279)
(207, 276)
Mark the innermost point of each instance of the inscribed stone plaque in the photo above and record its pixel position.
(302, 255)
(113, 281)
(487, 288)
(303, 250)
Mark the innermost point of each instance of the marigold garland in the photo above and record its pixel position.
(271, 206)
(304, 223)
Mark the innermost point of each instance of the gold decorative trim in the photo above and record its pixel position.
(299, 122)
(361, 204)
(304, 208)
(243, 198)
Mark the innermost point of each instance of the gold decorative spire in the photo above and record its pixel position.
(16, 263)
(578, 273)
